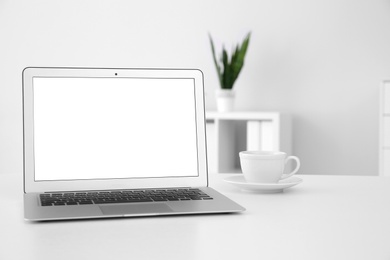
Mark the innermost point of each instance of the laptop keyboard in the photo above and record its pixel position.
(122, 196)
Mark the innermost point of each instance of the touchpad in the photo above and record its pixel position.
(134, 208)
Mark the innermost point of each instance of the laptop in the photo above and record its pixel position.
(108, 142)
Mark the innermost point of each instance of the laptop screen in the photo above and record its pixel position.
(112, 128)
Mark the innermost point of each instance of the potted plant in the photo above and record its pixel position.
(228, 70)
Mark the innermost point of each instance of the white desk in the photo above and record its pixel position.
(325, 217)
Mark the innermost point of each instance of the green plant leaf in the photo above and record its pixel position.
(239, 57)
(227, 70)
(219, 71)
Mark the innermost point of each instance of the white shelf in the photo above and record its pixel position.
(244, 115)
(384, 130)
(237, 131)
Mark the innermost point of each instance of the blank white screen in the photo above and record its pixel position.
(98, 128)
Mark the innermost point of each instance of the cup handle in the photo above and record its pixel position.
(285, 176)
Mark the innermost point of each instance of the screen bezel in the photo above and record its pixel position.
(30, 185)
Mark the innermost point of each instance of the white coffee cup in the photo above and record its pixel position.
(266, 166)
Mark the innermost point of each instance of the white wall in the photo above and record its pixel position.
(322, 61)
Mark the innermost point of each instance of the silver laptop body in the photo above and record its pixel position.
(99, 130)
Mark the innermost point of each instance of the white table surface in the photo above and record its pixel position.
(324, 217)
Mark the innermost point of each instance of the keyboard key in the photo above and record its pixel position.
(85, 202)
(160, 199)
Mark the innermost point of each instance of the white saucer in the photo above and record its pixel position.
(241, 183)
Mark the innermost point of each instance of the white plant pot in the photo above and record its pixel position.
(225, 100)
